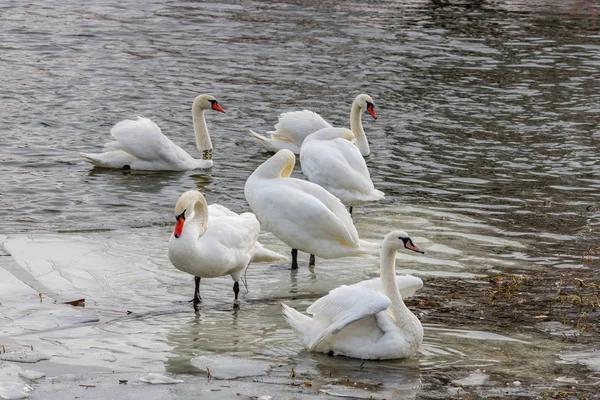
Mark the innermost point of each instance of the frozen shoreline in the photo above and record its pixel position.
(136, 322)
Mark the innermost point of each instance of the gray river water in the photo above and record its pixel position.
(486, 147)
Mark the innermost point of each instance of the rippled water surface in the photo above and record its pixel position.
(486, 146)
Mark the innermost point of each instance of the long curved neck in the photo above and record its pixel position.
(199, 221)
(357, 128)
(203, 142)
(278, 166)
(405, 319)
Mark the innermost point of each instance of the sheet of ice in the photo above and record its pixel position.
(590, 359)
(350, 392)
(24, 356)
(404, 387)
(480, 335)
(14, 390)
(230, 367)
(31, 374)
(11, 387)
(158, 379)
(475, 378)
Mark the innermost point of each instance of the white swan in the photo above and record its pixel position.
(329, 159)
(302, 214)
(212, 241)
(369, 319)
(294, 126)
(141, 145)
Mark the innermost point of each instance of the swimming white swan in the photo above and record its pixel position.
(302, 214)
(294, 126)
(329, 159)
(141, 145)
(369, 319)
(212, 241)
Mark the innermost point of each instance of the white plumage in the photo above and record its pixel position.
(366, 320)
(329, 159)
(140, 144)
(212, 241)
(291, 130)
(300, 213)
(293, 127)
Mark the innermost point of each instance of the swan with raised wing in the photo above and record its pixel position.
(302, 214)
(329, 159)
(294, 126)
(211, 241)
(140, 144)
(369, 319)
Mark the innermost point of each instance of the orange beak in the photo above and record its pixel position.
(217, 107)
(179, 227)
(411, 246)
(371, 111)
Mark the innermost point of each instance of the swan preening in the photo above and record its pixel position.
(329, 159)
(302, 214)
(212, 241)
(141, 145)
(369, 319)
(293, 127)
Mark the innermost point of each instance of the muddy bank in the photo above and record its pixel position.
(557, 305)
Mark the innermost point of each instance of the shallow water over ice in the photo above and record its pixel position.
(136, 318)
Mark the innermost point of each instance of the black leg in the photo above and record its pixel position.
(294, 259)
(197, 299)
(350, 210)
(311, 260)
(236, 290)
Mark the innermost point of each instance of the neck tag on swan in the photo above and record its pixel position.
(207, 154)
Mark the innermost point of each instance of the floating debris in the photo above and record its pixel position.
(74, 303)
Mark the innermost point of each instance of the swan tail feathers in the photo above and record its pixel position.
(375, 195)
(92, 159)
(263, 141)
(300, 323)
(109, 159)
(275, 143)
(380, 195)
(260, 254)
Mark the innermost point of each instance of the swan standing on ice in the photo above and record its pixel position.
(212, 241)
(141, 145)
(329, 159)
(294, 126)
(302, 214)
(369, 319)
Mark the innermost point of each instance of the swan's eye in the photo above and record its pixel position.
(182, 216)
